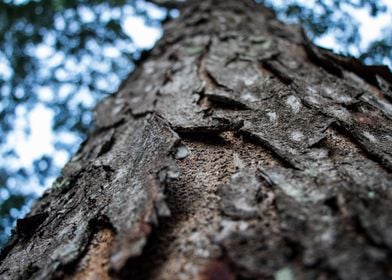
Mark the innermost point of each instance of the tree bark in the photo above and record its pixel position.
(236, 150)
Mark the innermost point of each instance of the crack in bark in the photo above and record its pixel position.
(370, 155)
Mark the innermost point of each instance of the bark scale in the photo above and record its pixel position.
(236, 150)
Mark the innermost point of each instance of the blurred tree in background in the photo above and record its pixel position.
(57, 58)
(60, 57)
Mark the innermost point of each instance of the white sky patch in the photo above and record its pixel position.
(370, 27)
(61, 157)
(32, 146)
(44, 51)
(64, 90)
(84, 97)
(142, 35)
(5, 70)
(36, 144)
(87, 14)
(39, 141)
(111, 52)
(153, 11)
(45, 94)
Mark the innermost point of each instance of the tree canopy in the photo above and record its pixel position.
(64, 56)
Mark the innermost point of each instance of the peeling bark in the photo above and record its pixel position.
(236, 150)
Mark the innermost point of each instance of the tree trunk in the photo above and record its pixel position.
(236, 150)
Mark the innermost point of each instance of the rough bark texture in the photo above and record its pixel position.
(236, 150)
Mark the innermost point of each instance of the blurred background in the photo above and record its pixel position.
(58, 58)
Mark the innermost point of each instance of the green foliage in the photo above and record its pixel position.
(77, 51)
(14, 201)
(64, 29)
(379, 51)
(8, 211)
(335, 17)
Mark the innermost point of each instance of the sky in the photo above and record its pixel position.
(39, 120)
(40, 140)
(370, 27)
